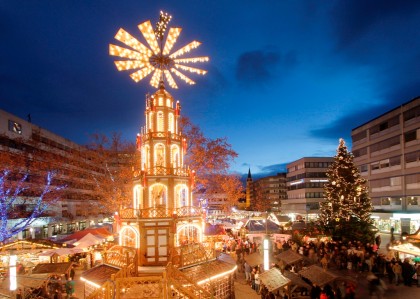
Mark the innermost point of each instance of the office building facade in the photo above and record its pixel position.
(78, 208)
(305, 187)
(387, 153)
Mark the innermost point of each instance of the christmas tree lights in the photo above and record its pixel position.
(347, 205)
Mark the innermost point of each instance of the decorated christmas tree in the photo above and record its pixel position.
(347, 208)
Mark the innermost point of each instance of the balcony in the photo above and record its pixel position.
(160, 212)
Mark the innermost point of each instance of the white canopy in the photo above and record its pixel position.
(407, 248)
(87, 241)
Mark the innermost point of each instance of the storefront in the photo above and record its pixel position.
(408, 223)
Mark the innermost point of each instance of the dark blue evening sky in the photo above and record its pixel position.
(286, 79)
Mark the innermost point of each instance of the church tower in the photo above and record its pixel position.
(249, 189)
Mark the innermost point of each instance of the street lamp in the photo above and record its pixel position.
(12, 265)
(266, 245)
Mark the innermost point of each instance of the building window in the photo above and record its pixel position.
(15, 127)
(385, 144)
(364, 168)
(385, 125)
(359, 136)
(395, 161)
(360, 152)
(410, 136)
(411, 157)
(385, 201)
(412, 201)
(375, 166)
(395, 181)
(412, 113)
(396, 201)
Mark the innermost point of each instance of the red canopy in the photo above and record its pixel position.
(101, 232)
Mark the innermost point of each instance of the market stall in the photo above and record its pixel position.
(318, 275)
(407, 250)
(274, 281)
(60, 269)
(256, 259)
(94, 278)
(289, 257)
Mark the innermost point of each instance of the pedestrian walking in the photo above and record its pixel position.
(257, 281)
(70, 288)
(397, 269)
(247, 269)
(378, 240)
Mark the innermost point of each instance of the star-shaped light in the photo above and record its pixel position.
(157, 57)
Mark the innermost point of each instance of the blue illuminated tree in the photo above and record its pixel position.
(14, 190)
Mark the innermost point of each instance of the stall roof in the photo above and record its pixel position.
(259, 226)
(29, 245)
(318, 275)
(52, 268)
(99, 232)
(407, 248)
(289, 257)
(414, 237)
(100, 274)
(87, 241)
(297, 280)
(255, 259)
(274, 280)
(33, 280)
(206, 270)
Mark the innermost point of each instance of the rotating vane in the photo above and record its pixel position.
(156, 57)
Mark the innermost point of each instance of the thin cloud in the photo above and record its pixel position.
(354, 18)
(258, 67)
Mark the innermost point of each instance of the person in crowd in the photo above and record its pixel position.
(70, 288)
(257, 281)
(19, 294)
(324, 262)
(247, 269)
(72, 273)
(417, 266)
(389, 271)
(350, 291)
(378, 240)
(407, 272)
(315, 291)
(397, 269)
(329, 291)
(253, 278)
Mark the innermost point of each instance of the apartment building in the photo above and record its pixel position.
(305, 182)
(79, 207)
(387, 153)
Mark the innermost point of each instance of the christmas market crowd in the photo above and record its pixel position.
(353, 256)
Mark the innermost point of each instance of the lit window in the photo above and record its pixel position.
(171, 123)
(160, 122)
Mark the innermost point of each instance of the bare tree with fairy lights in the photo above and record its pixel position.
(28, 189)
(347, 209)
